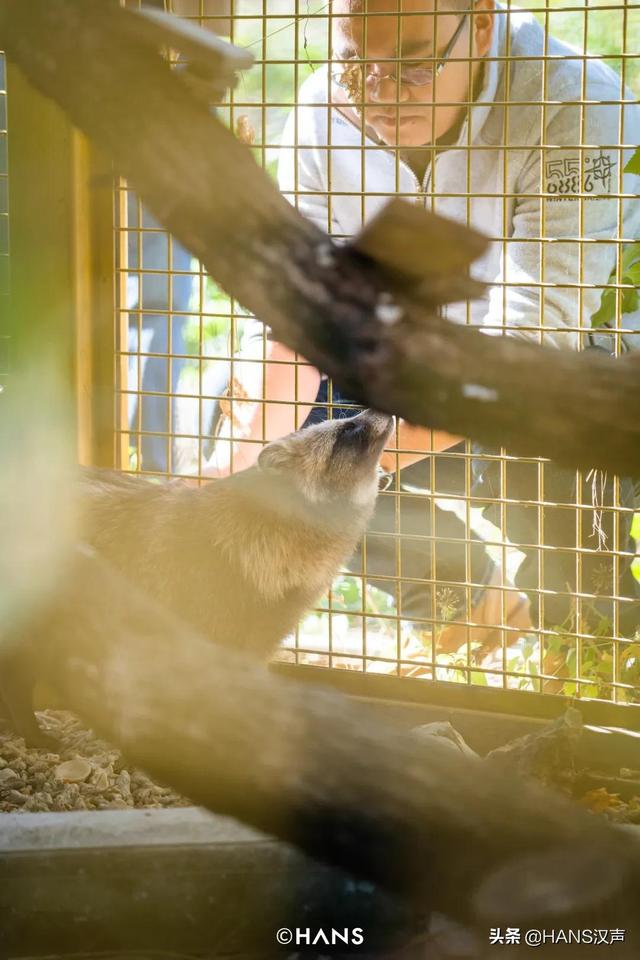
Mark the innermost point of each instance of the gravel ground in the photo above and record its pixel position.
(85, 773)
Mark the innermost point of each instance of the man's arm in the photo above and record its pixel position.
(282, 377)
(287, 376)
(410, 444)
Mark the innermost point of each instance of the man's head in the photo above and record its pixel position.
(400, 42)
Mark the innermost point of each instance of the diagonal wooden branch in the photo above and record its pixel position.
(206, 188)
(309, 766)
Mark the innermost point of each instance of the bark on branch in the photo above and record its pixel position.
(204, 186)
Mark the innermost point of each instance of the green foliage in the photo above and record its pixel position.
(587, 665)
(633, 165)
(478, 678)
(605, 32)
(346, 594)
(605, 315)
(293, 47)
(635, 533)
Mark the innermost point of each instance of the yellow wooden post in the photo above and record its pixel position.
(61, 217)
(92, 240)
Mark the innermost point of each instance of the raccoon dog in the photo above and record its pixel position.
(240, 559)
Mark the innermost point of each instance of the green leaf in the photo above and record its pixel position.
(635, 526)
(633, 165)
(602, 628)
(606, 311)
(478, 677)
(631, 273)
(629, 301)
(630, 255)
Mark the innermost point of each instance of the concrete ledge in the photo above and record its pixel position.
(180, 881)
(95, 829)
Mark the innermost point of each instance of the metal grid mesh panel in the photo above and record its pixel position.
(478, 568)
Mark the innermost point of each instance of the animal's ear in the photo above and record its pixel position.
(275, 456)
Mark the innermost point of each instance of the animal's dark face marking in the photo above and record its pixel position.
(353, 435)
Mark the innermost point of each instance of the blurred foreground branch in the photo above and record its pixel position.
(307, 765)
(368, 324)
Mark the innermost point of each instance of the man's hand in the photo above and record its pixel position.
(411, 444)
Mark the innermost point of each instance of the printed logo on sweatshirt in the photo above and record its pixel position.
(566, 180)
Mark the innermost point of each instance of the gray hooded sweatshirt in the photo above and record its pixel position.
(540, 155)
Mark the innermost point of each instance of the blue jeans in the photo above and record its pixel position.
(158, 330)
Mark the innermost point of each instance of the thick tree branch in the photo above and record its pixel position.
(313, 768)
(206, 188)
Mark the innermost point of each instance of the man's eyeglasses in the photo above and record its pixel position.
(410, 73)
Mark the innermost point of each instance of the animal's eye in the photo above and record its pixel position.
(352, 433)
(351, 425)
(348, 431)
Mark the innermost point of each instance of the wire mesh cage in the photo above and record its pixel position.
(478, 568)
